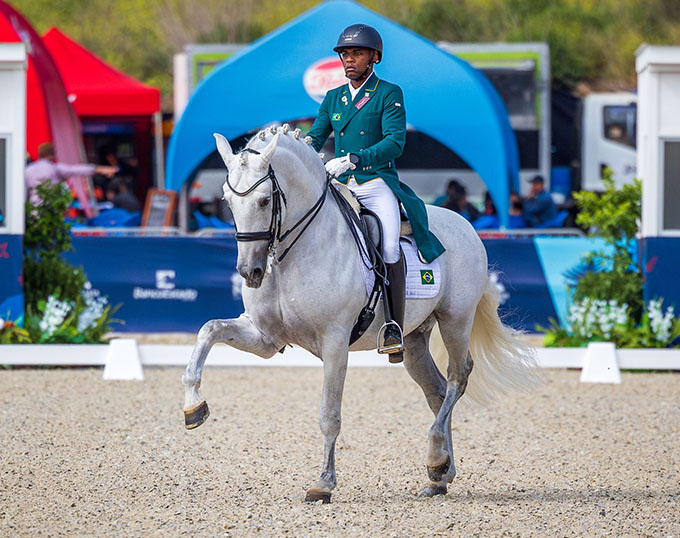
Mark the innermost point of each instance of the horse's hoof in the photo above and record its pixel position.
(315, 495)
(431, 491)
(437, 473)
(196, 416)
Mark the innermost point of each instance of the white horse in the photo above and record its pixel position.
(313, 296)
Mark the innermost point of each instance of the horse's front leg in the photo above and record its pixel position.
(240, 333)
(334, 371)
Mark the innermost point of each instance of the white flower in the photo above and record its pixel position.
(94, 307)
(503, 295)
(660, 322)
(55, 314)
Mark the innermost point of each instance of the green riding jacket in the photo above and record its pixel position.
(373, 126)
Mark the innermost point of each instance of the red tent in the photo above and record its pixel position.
(103, 96)
(94, 87)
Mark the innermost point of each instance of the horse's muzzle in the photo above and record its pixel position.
(253, 277)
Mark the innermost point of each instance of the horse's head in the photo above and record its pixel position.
(249, 192)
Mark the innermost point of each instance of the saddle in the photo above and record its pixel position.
(364, 222)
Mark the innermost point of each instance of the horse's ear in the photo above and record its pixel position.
(224, 148)
(268, 152)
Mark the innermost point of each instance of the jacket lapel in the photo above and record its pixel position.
(369, 87)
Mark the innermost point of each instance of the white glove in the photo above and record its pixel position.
(340, 165)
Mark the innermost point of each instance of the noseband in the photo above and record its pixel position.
(273, 235)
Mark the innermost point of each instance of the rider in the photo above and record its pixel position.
(368, 119)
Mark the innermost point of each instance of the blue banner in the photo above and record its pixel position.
(514, 268)
(169, 284)
(660, 258)
(163, 284)
(11, 279)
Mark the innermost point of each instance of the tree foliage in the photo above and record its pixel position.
(590, 40)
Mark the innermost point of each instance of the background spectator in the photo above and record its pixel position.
(538, 206)
(119, 195)
(458, 202)
(46, 168)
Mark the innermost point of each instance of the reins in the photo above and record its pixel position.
(273, 235)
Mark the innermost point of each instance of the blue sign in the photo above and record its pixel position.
(660, 263)
(11, 279)
(169, 284)
(163, 284)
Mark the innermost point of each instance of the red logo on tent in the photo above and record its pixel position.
(322, 76)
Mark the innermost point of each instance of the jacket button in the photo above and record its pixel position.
(342, 151)
(361, 133)
(342, 133)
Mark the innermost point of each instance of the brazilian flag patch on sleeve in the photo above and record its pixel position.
(336, 116)
(426, 277)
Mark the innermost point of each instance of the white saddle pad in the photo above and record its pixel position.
(423, 280)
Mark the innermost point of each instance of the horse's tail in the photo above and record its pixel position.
(503, 360)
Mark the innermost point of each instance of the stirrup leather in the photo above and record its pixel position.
(395, 348)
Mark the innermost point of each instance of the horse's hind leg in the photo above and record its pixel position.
(422, 369)
(239, 333)
(455, 332)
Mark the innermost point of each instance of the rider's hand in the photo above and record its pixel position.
(340, 165)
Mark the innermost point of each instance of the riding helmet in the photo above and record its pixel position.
(360, 35)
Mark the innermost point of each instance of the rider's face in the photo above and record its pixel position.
(355, 61)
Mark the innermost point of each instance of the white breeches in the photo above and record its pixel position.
(380, 199)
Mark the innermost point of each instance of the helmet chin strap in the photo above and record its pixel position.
(363, 75)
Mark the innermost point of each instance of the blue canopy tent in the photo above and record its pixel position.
(444, 96)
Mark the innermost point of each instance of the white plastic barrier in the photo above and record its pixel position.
(124, 359)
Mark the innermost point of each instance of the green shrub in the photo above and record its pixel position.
(607, 304)
(61, 305)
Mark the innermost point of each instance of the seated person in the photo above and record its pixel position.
(489, 206)
(538, 206)
(451, 190)
(118, 194)
(458, 202)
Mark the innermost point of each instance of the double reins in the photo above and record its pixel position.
(273, 235)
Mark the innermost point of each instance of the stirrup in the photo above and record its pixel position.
(389, 350)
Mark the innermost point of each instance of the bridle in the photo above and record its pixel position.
(273, 235)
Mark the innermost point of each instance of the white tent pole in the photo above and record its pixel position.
(160, 157)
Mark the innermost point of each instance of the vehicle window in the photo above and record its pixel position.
(620, 124)
(517, 88)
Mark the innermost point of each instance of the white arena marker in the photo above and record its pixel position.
(600, 364)
(122, 360)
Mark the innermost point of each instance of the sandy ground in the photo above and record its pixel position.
(80, 456)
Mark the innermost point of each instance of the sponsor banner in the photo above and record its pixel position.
(515, 270)
(169, 284)
(322, 76)
(11, 279)
(562, 264)
(164, 284)
(660, 259)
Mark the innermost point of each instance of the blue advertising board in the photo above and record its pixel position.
(167, 284)
(163, 284)
(11, 279)
(660, 258)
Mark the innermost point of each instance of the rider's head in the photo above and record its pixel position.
(359, 47)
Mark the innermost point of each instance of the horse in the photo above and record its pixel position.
(303, 286)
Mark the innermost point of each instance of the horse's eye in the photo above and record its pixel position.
(264, 202)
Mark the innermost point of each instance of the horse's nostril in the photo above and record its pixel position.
(257, 272)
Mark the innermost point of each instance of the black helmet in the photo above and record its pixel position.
(360, 35)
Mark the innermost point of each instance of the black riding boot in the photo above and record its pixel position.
(396, 300)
